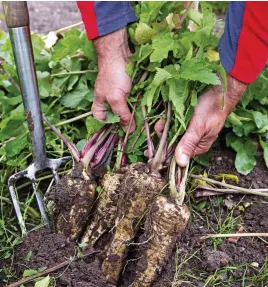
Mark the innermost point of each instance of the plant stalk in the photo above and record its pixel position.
(74, 73)
(69, 27)
(75, 153)
(234, 235)
(148, 135)
(260, 192)
(157, 160)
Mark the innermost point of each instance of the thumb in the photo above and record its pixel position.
(98, 109)
(186, 148)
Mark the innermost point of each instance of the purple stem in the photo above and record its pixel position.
(157, 160)
(89, 144)
(86, 159)
(99, 155)
(148, 135)
(170, 152)
(75, 153)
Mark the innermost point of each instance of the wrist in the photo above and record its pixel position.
(234, 92)
(112, 46)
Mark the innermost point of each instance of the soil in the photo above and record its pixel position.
(49, 249)
(73, 197)
(193, 261)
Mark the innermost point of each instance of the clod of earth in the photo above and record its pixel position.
(74, 197)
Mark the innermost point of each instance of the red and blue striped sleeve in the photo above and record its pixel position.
(101, 17)
(244, 44)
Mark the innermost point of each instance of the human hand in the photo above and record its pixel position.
(208, 120)
(113, 83)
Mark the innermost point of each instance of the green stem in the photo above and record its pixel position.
(30, 209)
(74, 73)
(195, 16)
(182, 186)
(41, 178)
(82, 116)
(260, 191)
(172, 181)
(183, 17)
(69, 27)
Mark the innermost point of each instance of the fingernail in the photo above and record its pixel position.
(184, 159)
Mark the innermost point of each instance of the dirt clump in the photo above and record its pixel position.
(49, 249)
(73, 199)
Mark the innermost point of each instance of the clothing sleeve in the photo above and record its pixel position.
(244, 44)
(101, 17)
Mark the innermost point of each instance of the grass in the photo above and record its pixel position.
(216, 218)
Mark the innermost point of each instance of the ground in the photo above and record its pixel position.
(217, 262)
(194, 262)
(50, 15)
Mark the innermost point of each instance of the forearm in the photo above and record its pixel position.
(113, 45)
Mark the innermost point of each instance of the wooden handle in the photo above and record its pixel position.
(16, 13)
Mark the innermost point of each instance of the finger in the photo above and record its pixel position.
(159, 127)
(98, 109)
(119, 106)
(186, 147)
(146, 153)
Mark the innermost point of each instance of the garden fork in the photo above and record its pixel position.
(17, 20)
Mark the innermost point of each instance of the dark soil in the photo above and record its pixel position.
(74, 197)
(50, 249)
(193, 261)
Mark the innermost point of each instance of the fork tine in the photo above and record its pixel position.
(40, 204)
(11, 186)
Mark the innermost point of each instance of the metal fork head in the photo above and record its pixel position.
(30, 173)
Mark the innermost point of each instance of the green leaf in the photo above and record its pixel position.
(160, 77)
(44, 84)
(149, 11)
(246, 150)
(29, 256)
(162, 44)
(178, 93)
(93, 126)
(193, 98)
(144, 33)
(77, 95)
(197, 71)
(112, 118)
(81, 144)
(43, 282)
(264, 146)
(12, 127)
(29, 272)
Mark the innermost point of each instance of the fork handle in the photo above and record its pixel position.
(16, 13)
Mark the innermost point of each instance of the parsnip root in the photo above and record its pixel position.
(74, 197)
(162, 227)
(138, 190)
(106, 211)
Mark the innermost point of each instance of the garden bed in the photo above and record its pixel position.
(193, 262)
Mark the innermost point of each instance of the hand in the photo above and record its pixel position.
(208, 120)
(113, 83)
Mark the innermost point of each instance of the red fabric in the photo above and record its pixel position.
(252, 51)
(89, 18)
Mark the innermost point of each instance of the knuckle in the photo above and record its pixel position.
(114, 101)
